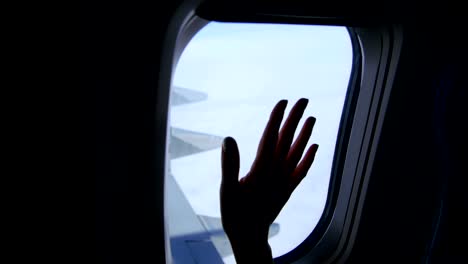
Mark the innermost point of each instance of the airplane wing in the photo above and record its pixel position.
(185, 142)
(181, 96)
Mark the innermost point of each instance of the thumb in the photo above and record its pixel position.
(229, 163)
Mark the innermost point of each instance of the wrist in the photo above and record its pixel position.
(252, 251)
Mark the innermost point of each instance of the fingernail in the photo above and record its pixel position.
(283, 103)
(223, 147)
(227, 142)
(312, 119)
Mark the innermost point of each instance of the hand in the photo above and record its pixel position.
(249, 206)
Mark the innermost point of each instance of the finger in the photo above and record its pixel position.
(296, 151)
(304, 166)
(287, 131)
(269, 139)
(229, 163)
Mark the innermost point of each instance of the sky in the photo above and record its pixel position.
(245, 69)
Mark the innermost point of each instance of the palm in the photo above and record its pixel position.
(249, 206)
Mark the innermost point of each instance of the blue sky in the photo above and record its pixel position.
(245, 69)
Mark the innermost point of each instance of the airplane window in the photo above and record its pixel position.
(227, 81)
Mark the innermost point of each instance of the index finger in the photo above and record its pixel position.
(269, 138)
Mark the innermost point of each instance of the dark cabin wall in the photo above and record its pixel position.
(120, 59)
(415, 204)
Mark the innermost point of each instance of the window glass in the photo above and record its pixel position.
(227, 81)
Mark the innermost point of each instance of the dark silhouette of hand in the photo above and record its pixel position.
(249, 206)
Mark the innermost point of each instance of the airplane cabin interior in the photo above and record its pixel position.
(398, 191)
